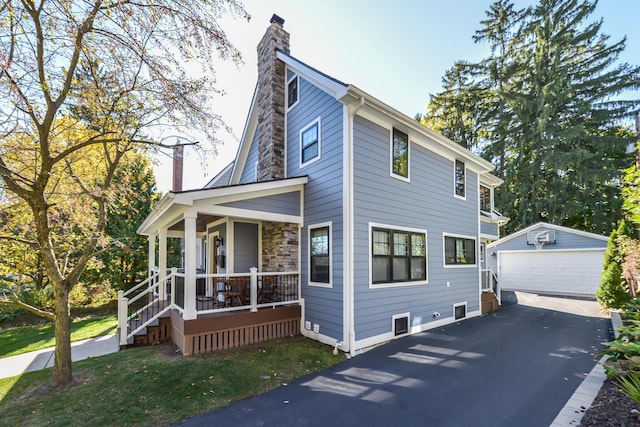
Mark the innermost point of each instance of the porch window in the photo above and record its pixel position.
(400, 154)
(459, 179)
(310, 143)
(485, 199)
(459, 251)
(320, 254)
(398, 256)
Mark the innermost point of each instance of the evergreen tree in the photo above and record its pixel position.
(613, 291)
(124, 260)
(546, 111)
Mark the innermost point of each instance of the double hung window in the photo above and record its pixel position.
(310, 143)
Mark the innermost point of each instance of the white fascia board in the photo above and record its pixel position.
(316, 78)
(163, 205)
(250, 214)
(172, 205)
(235, 197)
(490, 180)
(248, 133)
(248, 190)
(440, 144)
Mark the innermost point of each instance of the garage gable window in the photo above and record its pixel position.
(459, 251)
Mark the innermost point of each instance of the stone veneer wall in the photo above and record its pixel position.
(279, 247)
(271, 102)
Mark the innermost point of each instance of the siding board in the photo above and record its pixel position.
(322, 201)
(426, 203)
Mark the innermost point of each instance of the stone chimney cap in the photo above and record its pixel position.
(275, 19)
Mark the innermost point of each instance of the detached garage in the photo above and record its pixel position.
(548, 258)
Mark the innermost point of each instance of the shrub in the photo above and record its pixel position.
(612, 292)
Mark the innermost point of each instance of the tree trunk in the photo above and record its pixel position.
(62, 362)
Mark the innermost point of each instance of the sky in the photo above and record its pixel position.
(397, 51)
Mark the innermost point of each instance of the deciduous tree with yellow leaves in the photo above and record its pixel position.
(82, 84)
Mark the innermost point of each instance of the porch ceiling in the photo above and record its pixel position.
(201, 223)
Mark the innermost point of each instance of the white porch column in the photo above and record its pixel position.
(152, 252)
(162, 261)
(253, 286)
(190, 262)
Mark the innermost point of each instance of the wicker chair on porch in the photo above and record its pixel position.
(235, 291)
(268, 289)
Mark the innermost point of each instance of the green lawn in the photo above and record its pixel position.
(156, 386)
(22, 340)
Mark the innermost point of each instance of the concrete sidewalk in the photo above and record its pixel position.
(41, 359)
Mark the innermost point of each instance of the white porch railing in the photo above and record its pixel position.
(215, 293)
(489, 281)
(252, 291)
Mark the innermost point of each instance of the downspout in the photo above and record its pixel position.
(352, 111)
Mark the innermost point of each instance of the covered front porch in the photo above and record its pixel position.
(223, 267)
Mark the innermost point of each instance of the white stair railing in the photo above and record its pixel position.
(144, 306)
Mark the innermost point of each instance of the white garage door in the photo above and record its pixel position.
(564, 272)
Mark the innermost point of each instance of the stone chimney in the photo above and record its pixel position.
(178, 155)
(271, 102)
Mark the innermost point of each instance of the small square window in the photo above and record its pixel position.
(310, 143)
(400, 154)
(459, 179)
(400, 325)
(460, 311)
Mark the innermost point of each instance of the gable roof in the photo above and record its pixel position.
(351, 95)
(222, 178)
(524, 231)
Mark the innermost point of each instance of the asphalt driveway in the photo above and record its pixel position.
(516, 367)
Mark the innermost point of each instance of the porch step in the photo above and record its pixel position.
(158, 331)
(489, 303)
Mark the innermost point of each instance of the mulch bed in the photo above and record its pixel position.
(612, 409)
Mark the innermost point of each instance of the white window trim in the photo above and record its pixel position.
(317, 121)
(391, 173)
(372, 285)
(461, 236)
(312, 227)
(295, 77)
(465, 180)
(466, 310)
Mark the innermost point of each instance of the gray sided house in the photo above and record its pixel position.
(375, 225)
(549, 258)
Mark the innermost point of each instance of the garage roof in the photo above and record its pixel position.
(545, 225)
